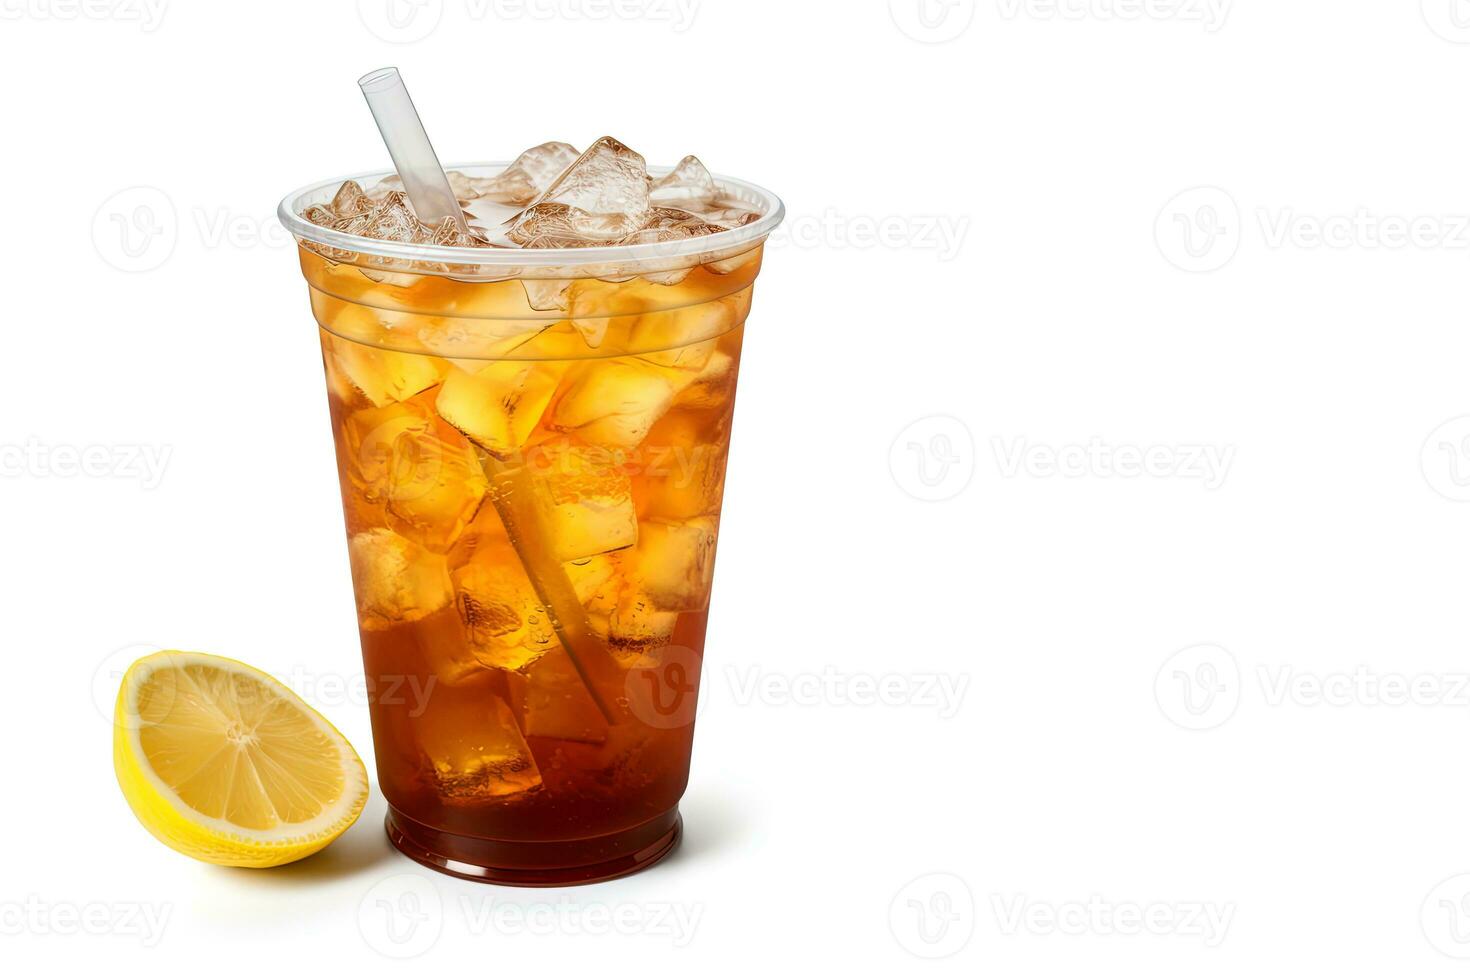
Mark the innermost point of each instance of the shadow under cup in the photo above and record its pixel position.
(531, 446)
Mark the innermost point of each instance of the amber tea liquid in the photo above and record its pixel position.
(532, 474)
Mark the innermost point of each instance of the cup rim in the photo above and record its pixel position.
(699, 248)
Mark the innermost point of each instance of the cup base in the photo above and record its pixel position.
(537, 864)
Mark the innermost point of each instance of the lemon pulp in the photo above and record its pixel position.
(223, 763)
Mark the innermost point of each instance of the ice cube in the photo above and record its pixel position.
(583, 497)
(728, 217)
(466, 342)
(590, 577)
(684, 337)
(435, 486)
(396, 581)
(553, 225)
(554, 702)
(383, 376)
(504, 621)
(499, 404)
(608, 179)
(473, 749)
(733, 263)
(350, 200)
(674, 563)
(447, 233)
(528, 175)
(438, 640)
(681, 223)
(713, 386)
(686, 183)
(600, 198)
(368, 439)
(548, 295)
(684, 472)
(637, 628)
(319, 215)
(393, 220)
(615, 402)
(592, 300)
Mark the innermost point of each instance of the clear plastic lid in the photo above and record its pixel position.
(491, 263)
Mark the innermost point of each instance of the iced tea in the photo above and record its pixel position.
(532, 472)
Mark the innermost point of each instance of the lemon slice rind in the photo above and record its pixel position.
(215, 840)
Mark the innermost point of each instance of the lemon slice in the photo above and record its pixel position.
(223, 763)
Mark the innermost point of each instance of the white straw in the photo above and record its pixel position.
(413, 155)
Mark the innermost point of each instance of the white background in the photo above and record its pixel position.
(1033, 171)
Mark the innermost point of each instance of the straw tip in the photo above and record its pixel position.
(378, 78)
